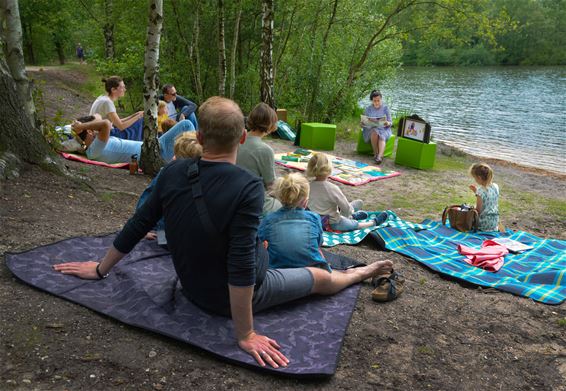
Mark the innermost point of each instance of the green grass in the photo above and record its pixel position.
(106, 197)
(93, 85)
(347, 129)
(562, 322)
(425, 350)
(452, 163)
(557, 207)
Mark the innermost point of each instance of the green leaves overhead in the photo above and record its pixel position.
(326, 53)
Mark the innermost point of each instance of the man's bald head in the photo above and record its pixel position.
(221, 124)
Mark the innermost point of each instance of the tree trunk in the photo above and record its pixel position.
(191, 48)
(17, 132)
(29, 43)
(312, 110)
(196, 53)
(60, 51)
(234, 49)
(10, 17)
(221, 50)
(108, 30)
(151, 160)
(266, 67)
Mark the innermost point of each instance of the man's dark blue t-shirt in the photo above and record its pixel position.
(205, 263)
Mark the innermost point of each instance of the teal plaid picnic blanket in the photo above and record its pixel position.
(331, 239)
(539, 274)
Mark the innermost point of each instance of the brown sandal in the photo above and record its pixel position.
(387, 288)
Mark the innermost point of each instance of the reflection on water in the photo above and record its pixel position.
(511, 113)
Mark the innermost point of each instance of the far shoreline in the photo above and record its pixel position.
(449, 150)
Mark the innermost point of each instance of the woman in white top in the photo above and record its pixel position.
(131, 127)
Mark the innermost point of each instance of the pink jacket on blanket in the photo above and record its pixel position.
(489, 257)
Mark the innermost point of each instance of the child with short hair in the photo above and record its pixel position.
(487, 197)
(257, 156)
(293, 234)
(186, 146)
(327, 200)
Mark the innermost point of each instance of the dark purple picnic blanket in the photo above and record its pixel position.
(142, 290)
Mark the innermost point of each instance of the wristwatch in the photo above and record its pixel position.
(99, 274)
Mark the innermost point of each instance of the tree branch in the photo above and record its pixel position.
(88, 10)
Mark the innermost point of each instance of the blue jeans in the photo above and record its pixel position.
(167, 141)
(133, 132)
(345, 224)
(190, 115)
(143, 198)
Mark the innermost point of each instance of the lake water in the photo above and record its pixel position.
(511, 113)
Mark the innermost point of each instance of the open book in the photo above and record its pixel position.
(370, 122)
(513, 245)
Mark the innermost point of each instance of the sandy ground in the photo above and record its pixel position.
(439, 335)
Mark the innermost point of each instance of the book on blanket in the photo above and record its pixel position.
(513, 245)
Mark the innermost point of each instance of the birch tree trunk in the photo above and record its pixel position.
(266, 67)
(221, 50)
(151, 160)
(12, 35)
(108, 30)
(234, 49)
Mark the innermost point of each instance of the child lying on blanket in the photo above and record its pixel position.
(293, 234)
(186, 146)
(327, 200)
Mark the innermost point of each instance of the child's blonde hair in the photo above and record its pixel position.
(161, 105)
(482, 173)
(186, 146)
(319, 165)
(291, 189)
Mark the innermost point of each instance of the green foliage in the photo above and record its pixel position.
(129, 66)
(47, 124)
(514, 32)
(323, 63)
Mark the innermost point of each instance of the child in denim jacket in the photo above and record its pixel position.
(293, 234)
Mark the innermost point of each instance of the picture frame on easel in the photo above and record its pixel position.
(415, 128)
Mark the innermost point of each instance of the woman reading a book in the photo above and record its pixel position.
(377, 129)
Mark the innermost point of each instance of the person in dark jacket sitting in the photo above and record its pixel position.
(178, 107)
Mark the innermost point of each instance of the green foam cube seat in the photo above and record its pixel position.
(318, 136)
(411, 153)
(364, 148)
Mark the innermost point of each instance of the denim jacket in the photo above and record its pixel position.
(294, 236)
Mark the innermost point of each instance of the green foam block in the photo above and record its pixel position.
(318, 136)
(411, 153)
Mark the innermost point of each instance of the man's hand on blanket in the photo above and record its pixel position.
(86, 270)
(151, 235)
(264, 350)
